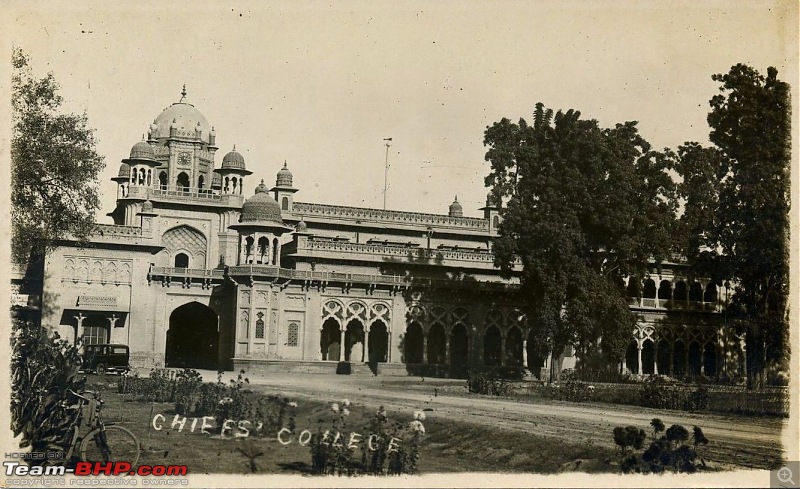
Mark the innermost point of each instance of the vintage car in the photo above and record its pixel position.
(106, 358)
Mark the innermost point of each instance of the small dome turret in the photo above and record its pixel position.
(261, 207)
(301, 227)
(284, 177)
(124, 170)
(141, 152)
(233, 160)
(147, 206)
(455, 209)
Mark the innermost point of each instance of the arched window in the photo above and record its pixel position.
(142, 176)
(200, 182)
(183, 182)
(248, 249)
(181, 260)
(263, 250)
(162, 180)
(285, 204)
(293, 336)
(260, 326)
(233, 185)
(496, 221)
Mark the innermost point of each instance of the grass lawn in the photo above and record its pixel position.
(448, 446)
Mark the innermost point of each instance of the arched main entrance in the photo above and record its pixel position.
(192, 337)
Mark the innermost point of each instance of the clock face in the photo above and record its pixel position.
(184, 159)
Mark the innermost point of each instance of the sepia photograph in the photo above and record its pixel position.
(400, 244)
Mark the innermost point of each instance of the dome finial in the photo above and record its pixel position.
(143, 137)
(234, 146)
(284, 163)
(183, 93)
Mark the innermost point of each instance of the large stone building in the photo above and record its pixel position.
(195, 273)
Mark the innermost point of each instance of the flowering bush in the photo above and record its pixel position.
(482, 383)
(386, 448)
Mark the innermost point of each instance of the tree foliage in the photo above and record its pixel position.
(43, 368)
(54, 166)
(735, 228)
(586, 207)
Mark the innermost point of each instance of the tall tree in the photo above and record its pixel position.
(586, 207)
(54, 166)
(736, 220)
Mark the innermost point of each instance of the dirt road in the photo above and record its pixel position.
(736, 441)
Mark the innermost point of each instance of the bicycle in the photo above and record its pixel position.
(104, 442)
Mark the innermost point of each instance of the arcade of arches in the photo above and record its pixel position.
(445, 336)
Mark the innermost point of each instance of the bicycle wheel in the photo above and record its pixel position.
(112, 444)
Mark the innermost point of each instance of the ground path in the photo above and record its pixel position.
(736, 441)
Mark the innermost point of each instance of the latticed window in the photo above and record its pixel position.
(294, 333)
(260, 326)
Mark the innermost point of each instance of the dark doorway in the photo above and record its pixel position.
(632, 357)
(710, 360)
(492, 347)
(354, 342)
(437, 347)
(193, 337)
(412, 343)
(514, 347)
(679, 360)
(459, 346)
(330, 339)
(181, 260)
(648, 357)
(663, 357)
(378, 342)
(695, 358)
(182, 182)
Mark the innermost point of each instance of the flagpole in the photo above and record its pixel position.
(386, 172)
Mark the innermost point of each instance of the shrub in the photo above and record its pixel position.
(483, 383)
(658, 392)
(43, 368)
(668, 453)
(571, 390)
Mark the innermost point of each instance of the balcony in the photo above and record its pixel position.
(187, 277)
(367, 214)
(174, 192)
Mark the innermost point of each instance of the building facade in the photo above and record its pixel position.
(194, 273)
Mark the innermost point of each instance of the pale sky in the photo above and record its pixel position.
(321, 85)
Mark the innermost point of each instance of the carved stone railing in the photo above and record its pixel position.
(308, 275)
(115, 230)
(186, 276)
(308, 209)
(179, 193)
(375, 249)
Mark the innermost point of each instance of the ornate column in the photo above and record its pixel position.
(525, 354)
(277, 258)
(639, 356)
(502, 350)
(341, 343)
(80, 317)
(655, 356)
(366, 345)
(447, 349)
(424, 347)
